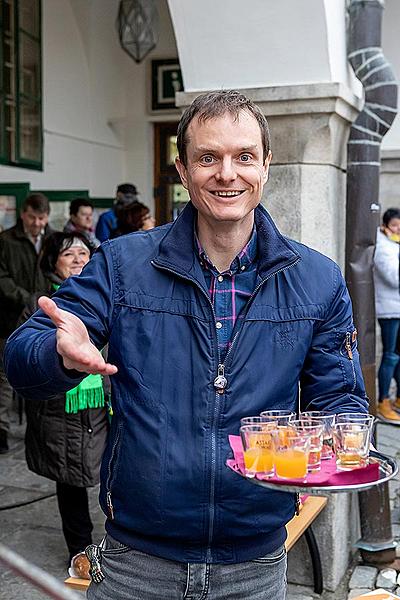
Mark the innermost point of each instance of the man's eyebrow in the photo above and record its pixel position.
(201, 149)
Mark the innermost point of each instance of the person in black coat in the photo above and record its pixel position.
(65, 436)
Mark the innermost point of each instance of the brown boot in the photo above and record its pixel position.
(386, 413)
(396, 404)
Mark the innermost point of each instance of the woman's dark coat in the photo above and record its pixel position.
(61, 446)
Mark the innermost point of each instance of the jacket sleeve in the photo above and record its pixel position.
(9, 290)
(32, 364)
(103, 229)
(386, 264)
(331, 378)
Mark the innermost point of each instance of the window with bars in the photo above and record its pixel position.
(20, 83)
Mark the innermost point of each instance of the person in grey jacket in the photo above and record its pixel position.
(387, 302)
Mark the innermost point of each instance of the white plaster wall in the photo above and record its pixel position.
(257, 44)
(97, 123)
(391, 49)
(335, 14)
(138, 125)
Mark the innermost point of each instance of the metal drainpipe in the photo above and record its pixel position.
(362, 219)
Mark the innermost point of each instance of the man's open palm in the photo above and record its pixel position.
(73, 343)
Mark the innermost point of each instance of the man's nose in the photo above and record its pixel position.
(226, 171)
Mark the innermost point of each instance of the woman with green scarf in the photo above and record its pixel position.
(65, 436)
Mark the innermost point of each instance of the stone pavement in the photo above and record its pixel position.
(34, 530)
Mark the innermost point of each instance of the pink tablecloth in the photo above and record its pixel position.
(328, 475)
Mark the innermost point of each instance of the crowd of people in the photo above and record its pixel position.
(65, 435)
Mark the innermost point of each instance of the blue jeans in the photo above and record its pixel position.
(133, 575)
(390, 364)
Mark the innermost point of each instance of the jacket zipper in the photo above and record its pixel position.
(220, 383)
(350, 356)
(109, 478)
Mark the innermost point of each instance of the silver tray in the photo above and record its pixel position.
(387, 470)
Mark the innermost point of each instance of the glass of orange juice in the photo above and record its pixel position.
(314, 429)
(258, 450)
(292, 448)
(351, 445)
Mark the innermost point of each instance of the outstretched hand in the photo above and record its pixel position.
(73, 343)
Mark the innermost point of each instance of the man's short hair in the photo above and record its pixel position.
(127, 188)
(37, 202)
(76, 203)
(217, 104)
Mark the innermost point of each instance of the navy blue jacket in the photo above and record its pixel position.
(165, 487)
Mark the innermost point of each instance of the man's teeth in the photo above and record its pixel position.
(231, 193)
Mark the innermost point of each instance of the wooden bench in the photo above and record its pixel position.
(309, 510)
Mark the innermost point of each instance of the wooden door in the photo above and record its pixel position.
(169, 194)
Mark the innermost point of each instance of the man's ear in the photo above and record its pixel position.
(180, 167)
(266, 165)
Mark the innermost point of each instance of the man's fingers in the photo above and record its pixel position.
(106, 369)
(85, 358)
(51, 309)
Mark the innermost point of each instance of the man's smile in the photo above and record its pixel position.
(227, 193)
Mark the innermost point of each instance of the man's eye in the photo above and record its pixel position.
(245, 157)
(207, 159)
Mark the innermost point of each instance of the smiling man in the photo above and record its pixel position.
(209, 319)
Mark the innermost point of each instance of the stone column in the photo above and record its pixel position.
(306, 196)
(306, 192)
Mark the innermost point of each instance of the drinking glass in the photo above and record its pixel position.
(314, 430)
(254, 420)
(258, 450)
(355, 417)
(328, 421)
(292, 448)
(281, 417)
(351, 445)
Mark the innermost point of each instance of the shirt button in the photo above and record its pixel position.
(242, 268)
(220, 278)
(218, 325)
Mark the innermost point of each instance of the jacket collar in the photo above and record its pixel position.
(20, 233)
(177, 250)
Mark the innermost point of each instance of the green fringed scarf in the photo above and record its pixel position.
(88, 394)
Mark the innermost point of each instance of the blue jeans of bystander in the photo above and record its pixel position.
(390, 363)
(133, 575)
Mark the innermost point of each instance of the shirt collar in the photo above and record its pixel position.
(241, 262)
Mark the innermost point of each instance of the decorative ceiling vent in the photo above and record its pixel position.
(137, 25)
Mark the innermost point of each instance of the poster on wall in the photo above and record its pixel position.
(8, 216)
(166, 80)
